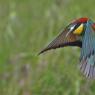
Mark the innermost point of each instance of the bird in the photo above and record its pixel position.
(80, 33)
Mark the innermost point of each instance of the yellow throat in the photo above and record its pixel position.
(79, 30)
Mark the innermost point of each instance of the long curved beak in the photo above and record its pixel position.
(66, 38)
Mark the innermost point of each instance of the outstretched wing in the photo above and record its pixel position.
(87, 58)
(61, 40)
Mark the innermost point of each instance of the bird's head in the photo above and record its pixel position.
(77, 27)
(70, 36)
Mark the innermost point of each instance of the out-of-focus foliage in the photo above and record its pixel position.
(26, 26)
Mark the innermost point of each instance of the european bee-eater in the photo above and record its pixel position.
(81, 33)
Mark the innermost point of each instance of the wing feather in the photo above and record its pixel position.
(87, 58)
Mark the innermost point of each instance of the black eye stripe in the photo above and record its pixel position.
(77, 25)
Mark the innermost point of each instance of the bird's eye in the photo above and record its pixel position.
(72, 28)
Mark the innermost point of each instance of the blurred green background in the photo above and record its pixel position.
(27, 26)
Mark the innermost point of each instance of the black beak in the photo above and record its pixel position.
(63, 40)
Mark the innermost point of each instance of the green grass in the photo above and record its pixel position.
(26, 26)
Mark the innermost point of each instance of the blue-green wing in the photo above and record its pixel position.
(87, 58)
